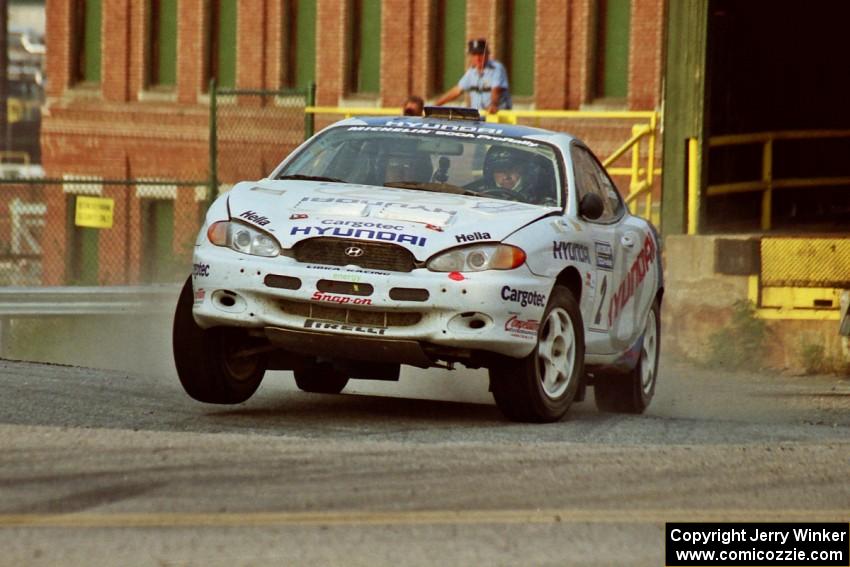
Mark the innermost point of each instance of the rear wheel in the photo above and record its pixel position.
(219, 365)
(320, 379)
(541, 387)
(633, 391)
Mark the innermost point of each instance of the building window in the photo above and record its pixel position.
(221, 43)
(299, 44)
(162, 42)
(611, 72)
(365, 47)
(87, 40)
(518, 52)
(449, 44)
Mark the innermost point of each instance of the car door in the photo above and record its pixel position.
(626, 274)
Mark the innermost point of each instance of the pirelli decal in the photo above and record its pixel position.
(334, 326)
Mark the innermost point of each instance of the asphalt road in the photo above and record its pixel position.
(109, 467)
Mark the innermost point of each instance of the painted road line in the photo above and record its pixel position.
(413, 517)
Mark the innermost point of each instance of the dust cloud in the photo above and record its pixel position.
(142, 344)
(139, 344)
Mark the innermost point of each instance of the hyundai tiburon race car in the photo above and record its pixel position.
(430, 242)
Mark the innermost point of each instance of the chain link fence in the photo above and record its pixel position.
(91, 231)
(254, 130)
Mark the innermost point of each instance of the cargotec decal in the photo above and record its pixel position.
(363, 224)
(634, 278)
(523, 297)
(201, 270)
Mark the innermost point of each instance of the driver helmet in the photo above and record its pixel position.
(502, 160)
(525, 164)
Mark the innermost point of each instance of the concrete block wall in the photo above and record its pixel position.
(698, 303)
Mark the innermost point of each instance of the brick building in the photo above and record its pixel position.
(128, 96)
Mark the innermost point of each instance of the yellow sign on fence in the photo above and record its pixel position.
(94, 212)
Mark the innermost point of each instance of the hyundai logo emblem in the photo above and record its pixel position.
(354, 251)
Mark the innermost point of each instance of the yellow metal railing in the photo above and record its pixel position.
(646, 127)
(768, 183)
(693, 185)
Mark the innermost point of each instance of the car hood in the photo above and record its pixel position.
(423, 222)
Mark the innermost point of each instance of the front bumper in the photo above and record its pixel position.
(494, 311)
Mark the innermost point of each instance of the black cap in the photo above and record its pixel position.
(476, 46)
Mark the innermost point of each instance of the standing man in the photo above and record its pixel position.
(485, 80)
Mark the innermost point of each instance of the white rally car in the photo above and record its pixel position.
(429, 242)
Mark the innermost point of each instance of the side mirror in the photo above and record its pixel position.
(591, 206)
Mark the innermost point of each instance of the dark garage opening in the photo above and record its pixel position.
(779, 66)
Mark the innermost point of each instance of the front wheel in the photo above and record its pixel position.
(631, 392)
(541, 387)
(221, 365)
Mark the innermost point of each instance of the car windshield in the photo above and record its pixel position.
(472, 160)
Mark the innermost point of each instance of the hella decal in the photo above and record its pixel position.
(382, 235)
(523, 297)
(330, 326)
(570, 251)
(472, 237)
(255, 218)
(634, 278)
(341, 299)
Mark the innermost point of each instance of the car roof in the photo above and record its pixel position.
(511, 130)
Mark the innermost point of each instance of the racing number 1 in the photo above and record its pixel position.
(603, 290)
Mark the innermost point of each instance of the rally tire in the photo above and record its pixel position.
(632, 392)
(541, 387)
(211, 363)
(320, 379)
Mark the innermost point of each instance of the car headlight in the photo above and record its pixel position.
(243, 238)
(478, 258)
